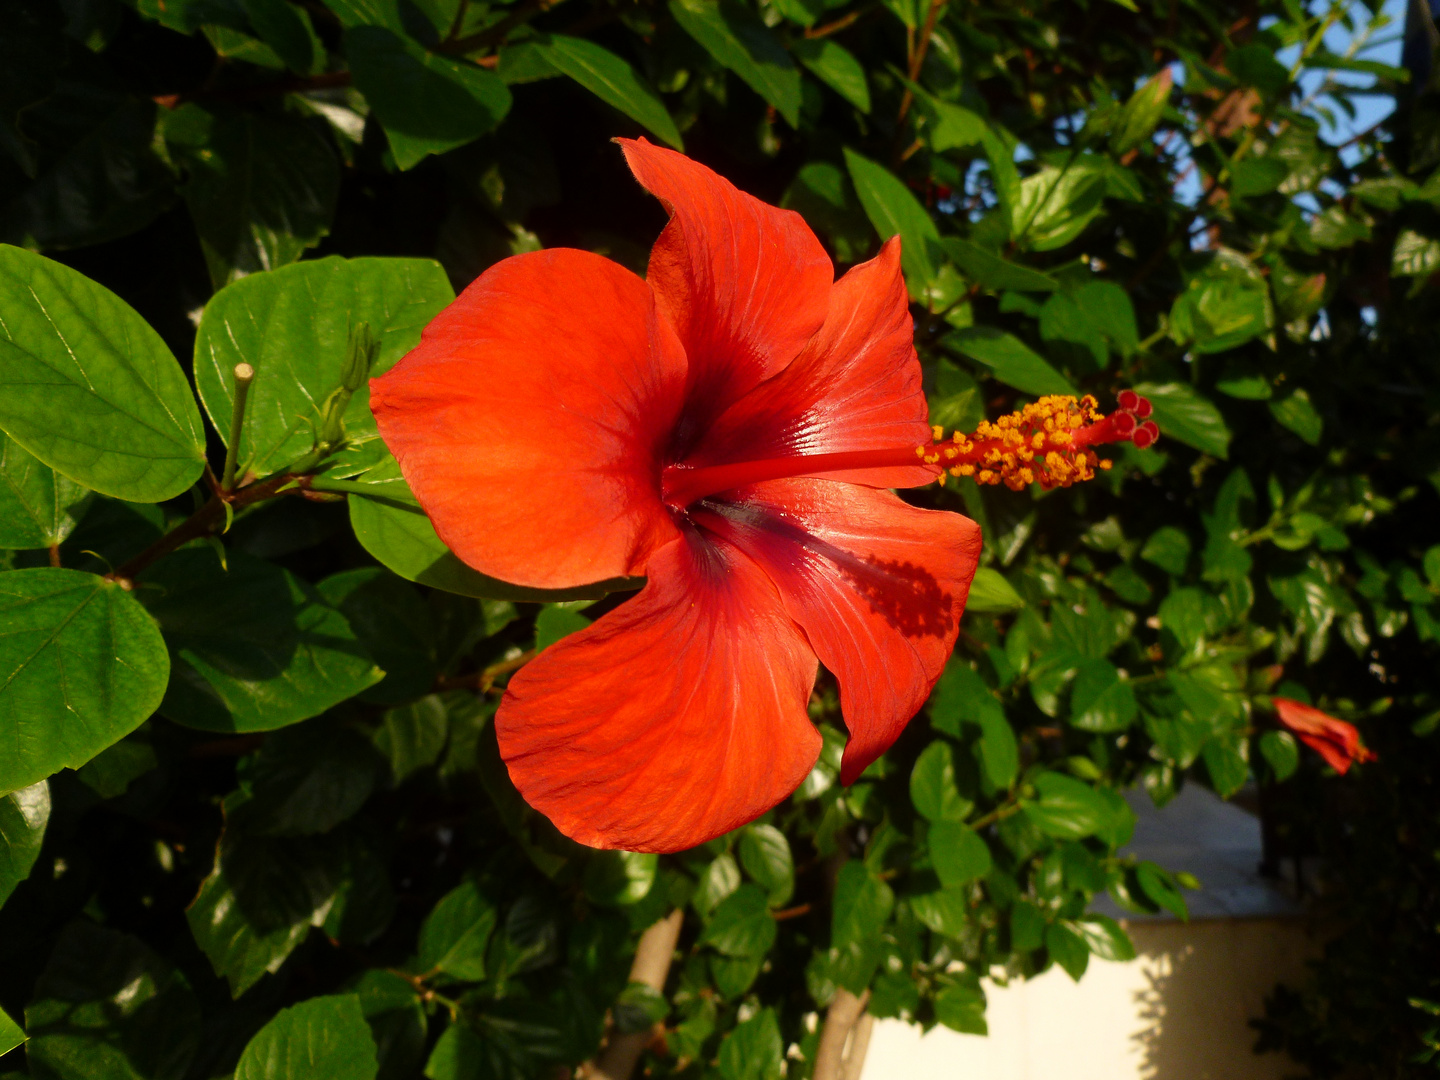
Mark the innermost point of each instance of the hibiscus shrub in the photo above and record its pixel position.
(260, 816)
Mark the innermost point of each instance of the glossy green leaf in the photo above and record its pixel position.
(1066, 808)
(1160, 887)
(1282, 752)
(823, 195)
(738, 40)
(394, 624)
(72, 645)
(391, 526)
(1068, 949)
(862, 902)
(261, 188)
(991, 592)
(962, 1009)
(307, 779)
(252, 647)
(292, 326)
(322, 1037)
(1296, 413)
(11, 1034)
(1009, 359)
(994, 272)
(1187, 416)
(455, 934)
(38, 506)
(1223, 306)
(286, 29)
(396, 1015)
(741, 925)
(23, 817)
(836, 67)
(895, 211)
(1227, 768)
(1141, 113)
(1101, 701)
(428, 103)
(1056, 204)
(619, 878)
(1105, 937)
(89, 388)
(107, 1007)
(958, 853)
(111, 773)
(765, 855)
(753, 1050)
(1168, 548)
(612, 80)
(260, 901)
(556, 621)
(411, 736)
(933, 790)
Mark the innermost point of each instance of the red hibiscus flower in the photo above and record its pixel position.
(726, 427)
(1334, 740)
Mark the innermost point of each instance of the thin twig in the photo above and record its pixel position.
(484, 681)
(917, 59)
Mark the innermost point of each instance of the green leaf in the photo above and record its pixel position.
(285, 29)
(1104, 937)
(556, 621)
(765, 854)
(1168, 548)
(307, 779)
(946, 911)
(261, 187)
(1066, 808)
(1159, 885)
(107, 1007)
(836, 67)
(1280, 749)
(993, 272)
(23, 817)
(1141, 113)
(1298, 415)
(38, 506)
(426, 102)
(394, 625)
(323, 1037)
(1223, 306)
(292, 326)
(861, 905)
(11, 1034)
(738, 40)
(1415, 255)
(412, 736)
(619, 878)
(1055, 204)
(393, 528)
(612, 80)
(962, 1009)
(1027, 926)
(72, 645)
(1187, 416)
(111, 773)
(741, 924)
(455, 934)
(753, 1050)
(252, 648)
(991, 592)
(1068, 949)
(958, 853)
(933, 790)
(89, 388)
(1101, 700)
(260, 901)
(823, 195)
(1009, 359)
(894, 211)
(1227, 768)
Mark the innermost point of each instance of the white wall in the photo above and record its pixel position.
(1179, 1011)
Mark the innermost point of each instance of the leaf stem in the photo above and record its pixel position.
(244, 376)
(484, 680)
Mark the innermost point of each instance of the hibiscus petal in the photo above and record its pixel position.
(856, 386)
(744, 284)
(878, 585)
(529, 420)
(675, 718)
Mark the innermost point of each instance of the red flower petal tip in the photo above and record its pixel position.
(1334, 740)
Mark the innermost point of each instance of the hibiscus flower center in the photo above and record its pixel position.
(1047, 442)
